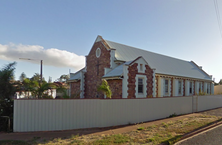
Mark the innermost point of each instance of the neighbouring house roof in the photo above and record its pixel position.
(163, 64)
(59, 83)
(75, 76)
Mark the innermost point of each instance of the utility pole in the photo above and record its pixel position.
(41, 72)
(41, 61)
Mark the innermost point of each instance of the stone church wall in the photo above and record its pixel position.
(95, 70)
(116, 88)
(75, 90)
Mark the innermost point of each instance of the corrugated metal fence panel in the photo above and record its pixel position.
(118, 112)
(49, 115)
(45, 115)
(209, 102)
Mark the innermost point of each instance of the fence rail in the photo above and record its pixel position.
(50, 115)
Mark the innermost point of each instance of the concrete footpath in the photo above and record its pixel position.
(96, 131)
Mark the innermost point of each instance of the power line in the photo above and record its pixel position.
(218, 16)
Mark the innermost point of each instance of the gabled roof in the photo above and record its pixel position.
(163, 64)
(118, 71)
(75, 76)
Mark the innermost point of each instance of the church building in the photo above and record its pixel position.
(136, 73)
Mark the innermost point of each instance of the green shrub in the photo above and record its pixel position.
(140, 128)
(173, 115)
(104, 87)
(202, 93)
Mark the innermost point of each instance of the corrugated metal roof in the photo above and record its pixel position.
(116, 72)
(163, 64)
(75, 76)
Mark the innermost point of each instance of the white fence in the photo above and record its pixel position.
(50, 115)
(209, 102)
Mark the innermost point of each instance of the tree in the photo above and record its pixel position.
(7, 90)
(6, 84)
(220, 82)
(22, 77)
(62, 89)
(63, 78)
(104, 87)
(37, 77)
(40, 89)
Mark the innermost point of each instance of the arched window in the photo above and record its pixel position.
(98, 52)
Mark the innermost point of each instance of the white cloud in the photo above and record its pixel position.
(52, 56)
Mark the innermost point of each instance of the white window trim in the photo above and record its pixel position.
(125, 81)
(98, 55)
(144, 94)
(143, 68)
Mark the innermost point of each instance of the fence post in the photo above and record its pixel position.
(194, 104)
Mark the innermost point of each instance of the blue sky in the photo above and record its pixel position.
(61, 32)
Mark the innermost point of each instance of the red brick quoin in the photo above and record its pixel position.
(93, 77)
(149, 75)
(132, 71)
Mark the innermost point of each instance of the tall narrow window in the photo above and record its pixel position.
(200, 87)
(191, 86)
(140, 85)
(179, 87)
(208, 88)
(166, 86)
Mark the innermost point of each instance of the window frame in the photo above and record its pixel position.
(140, 80)
(191, 88)
(166, 93)
(98, 52)
(208, 88)
(179, 87)
(200, 87)
(144, 78)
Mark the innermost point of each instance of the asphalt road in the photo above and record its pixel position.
(210, 137)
